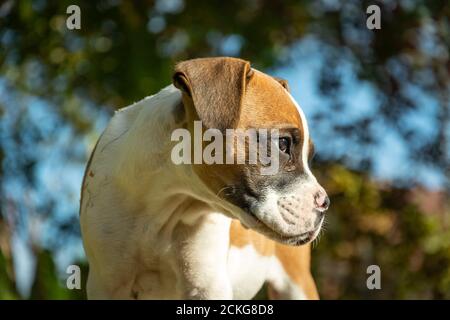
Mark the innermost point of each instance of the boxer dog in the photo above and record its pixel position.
(153, 229)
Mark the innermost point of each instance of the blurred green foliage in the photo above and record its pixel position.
(7, 281)
(48, 284)
(372, 224)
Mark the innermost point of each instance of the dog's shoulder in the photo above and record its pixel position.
(140, 119)
(141, 115)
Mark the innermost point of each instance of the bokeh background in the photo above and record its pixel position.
(377, 103)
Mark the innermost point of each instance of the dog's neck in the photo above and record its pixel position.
(144, 172)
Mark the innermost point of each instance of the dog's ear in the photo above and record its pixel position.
(216, 87)
(283, 82)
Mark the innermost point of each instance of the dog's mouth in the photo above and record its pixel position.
(248, 201)
(253, 222)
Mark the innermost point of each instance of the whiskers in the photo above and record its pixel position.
(323, 228)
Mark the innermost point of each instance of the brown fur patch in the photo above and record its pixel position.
(240, 237)
(266, 104)
(296, 263)
(215, 86)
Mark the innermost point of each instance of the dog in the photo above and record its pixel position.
(153, 229)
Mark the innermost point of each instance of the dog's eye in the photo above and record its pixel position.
(284, 143)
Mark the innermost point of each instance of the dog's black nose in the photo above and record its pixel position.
(322, 201)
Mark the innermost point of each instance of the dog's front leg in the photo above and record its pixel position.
(201, 251)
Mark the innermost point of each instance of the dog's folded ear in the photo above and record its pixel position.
(283, 82)
(216, 87)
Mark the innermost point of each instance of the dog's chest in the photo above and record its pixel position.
(248, 270)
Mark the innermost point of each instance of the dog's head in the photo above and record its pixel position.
(287, 205)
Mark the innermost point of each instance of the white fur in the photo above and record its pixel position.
(305, 146)
(282, 283)
(249, 270)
